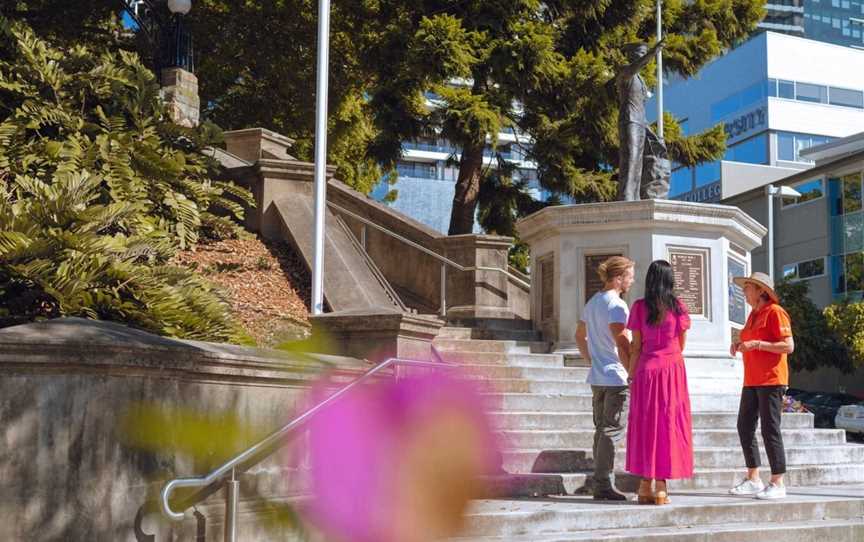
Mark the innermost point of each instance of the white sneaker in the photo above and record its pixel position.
(773, 491)
(748, 487)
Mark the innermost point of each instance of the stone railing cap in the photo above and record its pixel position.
(101, 342)
(553, 219)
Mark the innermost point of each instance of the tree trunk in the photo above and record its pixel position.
(467, 189)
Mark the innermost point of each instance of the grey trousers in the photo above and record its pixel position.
(610, 424)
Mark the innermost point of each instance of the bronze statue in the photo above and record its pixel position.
(633, 130)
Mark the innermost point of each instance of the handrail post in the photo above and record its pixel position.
(232, 496)
(363, 236)
(443, 290)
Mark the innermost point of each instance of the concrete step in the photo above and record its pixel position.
(580, 459)
(572, 385)
(570, 421)
(475, 345)
(521, 385)
(693, 516)
(849, 530)
(492, 323)
(515, 359)
(582, 402)
(496, 370)
(702, 438)
(717, 479)
(489, 334)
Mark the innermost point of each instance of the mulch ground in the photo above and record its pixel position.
(266, 284)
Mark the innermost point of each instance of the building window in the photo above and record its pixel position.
(790, 145)
(419, 170)
(854, 274)
(807, 92)
(786, 89)
(809, 190)
(846, 97)
(851, 193)
(808, 269)
(751, 151)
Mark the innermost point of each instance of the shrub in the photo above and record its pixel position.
(98, 189)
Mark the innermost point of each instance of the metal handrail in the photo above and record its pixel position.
(229, 470)
(440, 258)
(382, 280)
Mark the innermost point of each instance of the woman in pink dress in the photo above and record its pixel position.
(659, 432)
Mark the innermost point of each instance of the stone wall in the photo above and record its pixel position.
(416, 276)
(65, 385)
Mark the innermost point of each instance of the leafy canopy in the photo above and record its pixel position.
(98, 190)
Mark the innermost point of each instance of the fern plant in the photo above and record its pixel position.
(98, 189)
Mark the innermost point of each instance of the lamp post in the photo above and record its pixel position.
(772, 192)
(177, 52)
(161, 22)
(858, 21)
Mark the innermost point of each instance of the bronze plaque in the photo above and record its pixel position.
(690, 269)
(593, 284)
(547, 288)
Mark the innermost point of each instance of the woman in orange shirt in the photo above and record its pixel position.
(766, 340)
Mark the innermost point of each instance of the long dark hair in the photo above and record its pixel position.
(660, 292)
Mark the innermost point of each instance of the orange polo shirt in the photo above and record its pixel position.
(771, 323)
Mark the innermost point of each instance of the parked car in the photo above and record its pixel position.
(851, 418)
(795, 392)
(824, 406)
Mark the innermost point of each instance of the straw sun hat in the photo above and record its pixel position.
(762, 281)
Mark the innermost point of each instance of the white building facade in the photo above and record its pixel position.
(775, 95)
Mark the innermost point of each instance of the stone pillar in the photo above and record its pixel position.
(253, 144)
(375, 334)
(180, 94)
(481, 293)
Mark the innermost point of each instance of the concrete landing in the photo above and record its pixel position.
(833, 513)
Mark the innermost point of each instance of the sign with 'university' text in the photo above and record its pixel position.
(744, 124)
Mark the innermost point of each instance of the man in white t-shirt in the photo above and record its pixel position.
(603, 340)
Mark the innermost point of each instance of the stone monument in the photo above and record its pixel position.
(706, 244)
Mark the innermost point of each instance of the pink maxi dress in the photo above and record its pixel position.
(659, 426)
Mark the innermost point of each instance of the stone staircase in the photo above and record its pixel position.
(542, 408)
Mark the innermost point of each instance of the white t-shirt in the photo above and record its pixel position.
(602, 309)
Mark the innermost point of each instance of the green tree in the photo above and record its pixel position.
(98, 189)
(816, 343)
(256, 62)
(846, 321)
(256, 67)
(545, 68)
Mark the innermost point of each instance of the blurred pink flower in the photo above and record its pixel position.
(398, 461)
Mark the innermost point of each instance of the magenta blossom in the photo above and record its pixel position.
(398, 461)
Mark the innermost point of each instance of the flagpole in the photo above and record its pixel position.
(659, 71)
(320, 156)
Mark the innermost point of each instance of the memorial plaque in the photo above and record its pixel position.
(691, 278)
(736, 335)
(593, 284)
(737, 304)
(547, 288)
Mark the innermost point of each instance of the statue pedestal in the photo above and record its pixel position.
(706, 244)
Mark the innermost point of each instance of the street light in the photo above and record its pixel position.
(180, 7)
(161, 22)
(772, 192)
